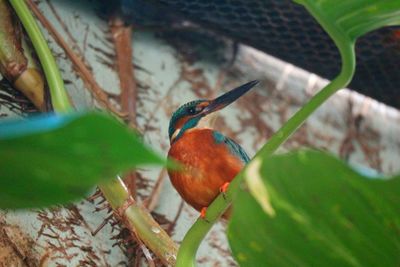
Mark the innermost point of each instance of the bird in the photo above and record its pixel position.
(209, 159)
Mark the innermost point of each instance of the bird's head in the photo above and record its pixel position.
(191, 114)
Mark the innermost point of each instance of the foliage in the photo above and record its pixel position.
(55, 159)
(310, 209)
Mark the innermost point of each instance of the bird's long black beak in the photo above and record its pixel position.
(229, 97)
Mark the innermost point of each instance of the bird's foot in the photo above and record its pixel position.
(223, 189)
(203, 213)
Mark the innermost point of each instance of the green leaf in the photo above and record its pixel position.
(353, 18)
(55, 159)
(310, 209)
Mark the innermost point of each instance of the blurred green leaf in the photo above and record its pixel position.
(310, 209)
(54, 159)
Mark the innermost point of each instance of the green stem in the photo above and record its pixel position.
(143, 223)
(59, 97)
(135, 217)
(193, 238)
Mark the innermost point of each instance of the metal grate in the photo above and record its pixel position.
(286, 30)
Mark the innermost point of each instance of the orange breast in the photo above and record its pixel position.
(207, 166)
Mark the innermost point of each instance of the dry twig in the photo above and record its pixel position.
(122, 38)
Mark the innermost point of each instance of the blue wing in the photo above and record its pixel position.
(234, 147)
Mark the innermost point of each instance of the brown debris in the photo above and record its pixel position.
(59, 231)
(358, 132)
(14, 100)
(197, 80)
(16, 247)
(144, 251)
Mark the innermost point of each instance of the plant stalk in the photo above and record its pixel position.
(138, 220)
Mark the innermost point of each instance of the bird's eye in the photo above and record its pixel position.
(192, 111)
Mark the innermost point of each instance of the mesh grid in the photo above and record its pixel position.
(286, 30)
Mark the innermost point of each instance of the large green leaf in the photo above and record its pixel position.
(353, 18)
(54, 159)
(310, 209)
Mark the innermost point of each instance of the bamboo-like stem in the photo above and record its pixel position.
(59, 97)
(12, 60)
(15, 65)
(193, 238)
(135, 217)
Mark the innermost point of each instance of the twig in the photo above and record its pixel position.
(130, 182)
(105, 221)
(219, 82)
(144, 249)
(172, 225)
(95, 195)
(64, 27)
(82, 70)
(122, 39)
(162, 101)
(152, 201)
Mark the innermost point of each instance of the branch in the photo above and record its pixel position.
(122, 39)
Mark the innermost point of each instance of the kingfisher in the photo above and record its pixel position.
(210, 160)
